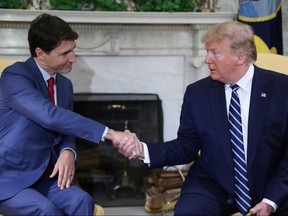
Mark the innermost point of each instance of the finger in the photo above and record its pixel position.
(255, 210)
(70, 174)
(136, 149)
(132, 156)
(125, 153)
(54, 172)
(129, 144)
(120, 143)
(70, 179)
(252, 212)
(124, 146)
(62, 177)
(66, 179)
(131, 152)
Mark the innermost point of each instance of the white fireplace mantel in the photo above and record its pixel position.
(127, 52)
(92, 17)
(99, 31)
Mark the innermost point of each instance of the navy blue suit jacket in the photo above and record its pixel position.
(28, 124)
(204, 127)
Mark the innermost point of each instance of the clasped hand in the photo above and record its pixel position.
(128, 144)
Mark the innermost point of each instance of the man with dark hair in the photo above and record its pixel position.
(37, 130)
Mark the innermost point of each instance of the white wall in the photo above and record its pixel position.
(285, 26)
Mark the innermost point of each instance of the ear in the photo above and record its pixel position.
(241, 58)
(40, 53)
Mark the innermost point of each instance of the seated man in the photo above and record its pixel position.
(238, 118)
(38, 126)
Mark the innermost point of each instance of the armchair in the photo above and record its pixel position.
(275, 62)
(4, 63)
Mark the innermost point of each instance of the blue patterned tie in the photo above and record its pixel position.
(242, 192)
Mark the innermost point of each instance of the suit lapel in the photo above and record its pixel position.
(64, 92)
(36, 75)
(219, 110)
(60, 91)
(260, 96)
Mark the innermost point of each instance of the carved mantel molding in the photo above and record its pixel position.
(101, 32)
(93, 17)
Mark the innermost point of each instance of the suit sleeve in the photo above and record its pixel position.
(184, 148)
(20, 94)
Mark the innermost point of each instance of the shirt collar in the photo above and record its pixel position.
(246, 81)
(45, 74)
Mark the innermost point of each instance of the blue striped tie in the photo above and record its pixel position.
(242, 192)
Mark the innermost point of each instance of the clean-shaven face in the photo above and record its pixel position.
(60, 59)
(221, 61)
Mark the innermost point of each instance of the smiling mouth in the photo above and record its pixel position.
(68, 66)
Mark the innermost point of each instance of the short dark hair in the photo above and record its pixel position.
(47, 32)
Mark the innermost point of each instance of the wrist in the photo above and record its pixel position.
(142, 155)
(110, 134)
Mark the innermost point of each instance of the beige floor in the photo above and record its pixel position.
(135, 210)
(139, 210)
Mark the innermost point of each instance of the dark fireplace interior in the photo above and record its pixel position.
(110, 178)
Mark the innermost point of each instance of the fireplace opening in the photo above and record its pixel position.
(110, 178)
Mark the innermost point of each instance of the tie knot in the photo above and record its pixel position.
(234, 87)
(50, 81)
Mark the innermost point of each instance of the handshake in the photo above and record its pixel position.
(127, 143)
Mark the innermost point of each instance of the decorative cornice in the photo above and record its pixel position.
(88, 24)
(95, 17)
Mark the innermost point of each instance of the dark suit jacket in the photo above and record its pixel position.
(204, 126)
(28, 124)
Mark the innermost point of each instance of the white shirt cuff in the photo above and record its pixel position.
(75, 155)
(146, 158)
(104, 134)
(269, 202)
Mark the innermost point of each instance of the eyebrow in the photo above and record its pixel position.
(66, 52)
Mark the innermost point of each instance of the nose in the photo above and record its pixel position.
(72, 57)
(207, 59)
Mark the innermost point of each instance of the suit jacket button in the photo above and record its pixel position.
(229, 201)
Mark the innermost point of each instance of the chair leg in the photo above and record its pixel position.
(98, 210)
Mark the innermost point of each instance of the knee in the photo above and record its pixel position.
(81, 204)
(47, 208)
(88, 198)
(84, 199)
(179, 210)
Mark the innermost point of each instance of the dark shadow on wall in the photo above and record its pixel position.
(81, 76)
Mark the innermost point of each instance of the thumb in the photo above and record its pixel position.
(254, 210)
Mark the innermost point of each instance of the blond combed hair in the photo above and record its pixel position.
(240, 34)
